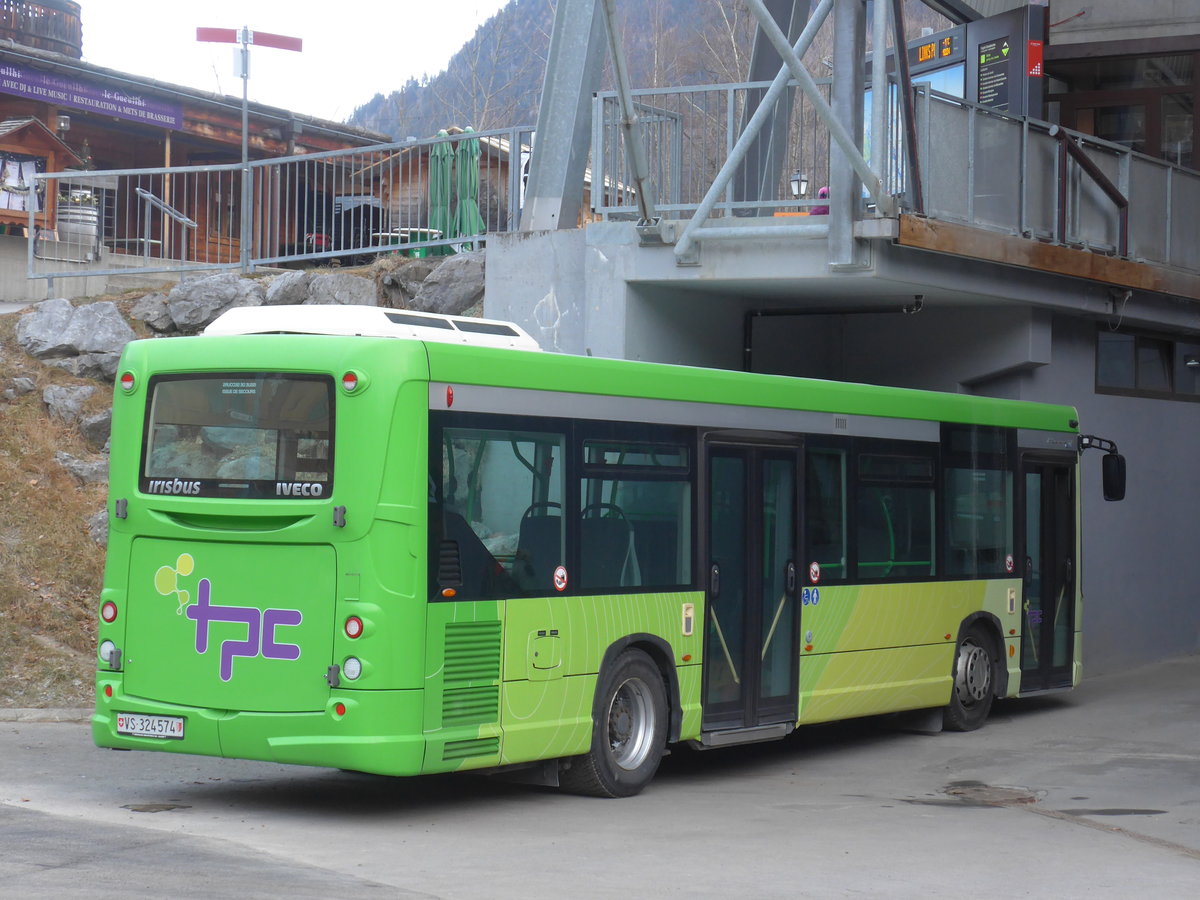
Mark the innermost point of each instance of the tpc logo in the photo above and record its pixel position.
(260, 623)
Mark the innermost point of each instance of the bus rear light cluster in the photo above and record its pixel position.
(108, 612)
(352, 668)
(106, 650)
(354, 627)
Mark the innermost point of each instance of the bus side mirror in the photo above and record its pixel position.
(1114, 476)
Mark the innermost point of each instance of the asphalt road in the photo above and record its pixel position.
(1092, 794)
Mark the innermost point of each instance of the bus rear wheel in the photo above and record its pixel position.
(971, 700)
(629, 727)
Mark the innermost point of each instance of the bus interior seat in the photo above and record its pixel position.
(609, 557)
(539, 547)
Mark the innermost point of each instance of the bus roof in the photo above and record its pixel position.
(463, 351)
(370, 321)
(659, 381)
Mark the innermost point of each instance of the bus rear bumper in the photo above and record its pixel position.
(367, 731)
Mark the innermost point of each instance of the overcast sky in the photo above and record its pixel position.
(353, 49)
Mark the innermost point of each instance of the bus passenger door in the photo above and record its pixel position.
(751, 628)
(1049, 573)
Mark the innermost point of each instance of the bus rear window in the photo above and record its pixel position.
(255, 435)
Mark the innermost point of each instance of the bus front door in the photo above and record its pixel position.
(1048, 604)
(751, 627)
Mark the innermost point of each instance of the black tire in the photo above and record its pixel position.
(974, 682)
(629, 731)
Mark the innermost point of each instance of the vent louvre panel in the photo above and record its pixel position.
(470, 706)
(472, 651)
(449, 565)
(478, 747)
(471, 674)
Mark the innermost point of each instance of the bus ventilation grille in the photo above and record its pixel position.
(449, 565)
(489, 746)
(471, 673)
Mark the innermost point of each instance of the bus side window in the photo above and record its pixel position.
(635, 527)
(825, 512)
(501, 495)
(895, 516)
(979, 521)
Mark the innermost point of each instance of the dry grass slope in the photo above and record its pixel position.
(50, 568)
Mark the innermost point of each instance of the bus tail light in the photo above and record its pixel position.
(350, 382)
(354, 627)
(127, 381)
(352, 668)
(108, 612)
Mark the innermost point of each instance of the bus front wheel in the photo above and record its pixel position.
(629, 727)
(974, 687)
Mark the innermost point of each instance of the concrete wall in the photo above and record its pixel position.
(16, 287)
(1085, 21)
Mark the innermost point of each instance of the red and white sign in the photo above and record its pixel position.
(257, 38)
(814, 572)
(1033, 59)
(1009, 564)
(560, 578)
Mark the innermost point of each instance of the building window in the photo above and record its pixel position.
(1146, 365)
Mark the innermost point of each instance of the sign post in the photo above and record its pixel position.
(246, 37)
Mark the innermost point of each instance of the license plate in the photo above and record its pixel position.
(169, 727)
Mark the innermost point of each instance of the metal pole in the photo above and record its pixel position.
(880, 101)
(634, 148)
(686, 241)
(244, 238)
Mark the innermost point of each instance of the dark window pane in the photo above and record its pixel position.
(635, 533)
(895, 531)
(1115, 360)
(978, 521)
(1153, 365)
(501, 522)
(1187, 369)
(825, 513)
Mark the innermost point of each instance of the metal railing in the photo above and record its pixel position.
(428, 197)
(689, 132)
(982, 168)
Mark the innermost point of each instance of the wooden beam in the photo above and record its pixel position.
(1010, 250)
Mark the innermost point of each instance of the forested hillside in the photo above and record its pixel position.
(495, 80)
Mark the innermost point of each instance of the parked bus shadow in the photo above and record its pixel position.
(333, 793)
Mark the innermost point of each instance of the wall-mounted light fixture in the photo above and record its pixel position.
(1192, 361)
(798, 183)
(63, 124)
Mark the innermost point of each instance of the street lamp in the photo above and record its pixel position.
(799, 184)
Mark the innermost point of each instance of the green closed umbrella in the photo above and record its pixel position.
(441, 161)
(467, 220)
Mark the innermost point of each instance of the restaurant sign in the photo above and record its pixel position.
(49, 88)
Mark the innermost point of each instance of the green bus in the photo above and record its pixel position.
(402, 544)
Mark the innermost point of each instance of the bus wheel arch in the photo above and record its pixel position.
(978, 673)
(631, 716)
